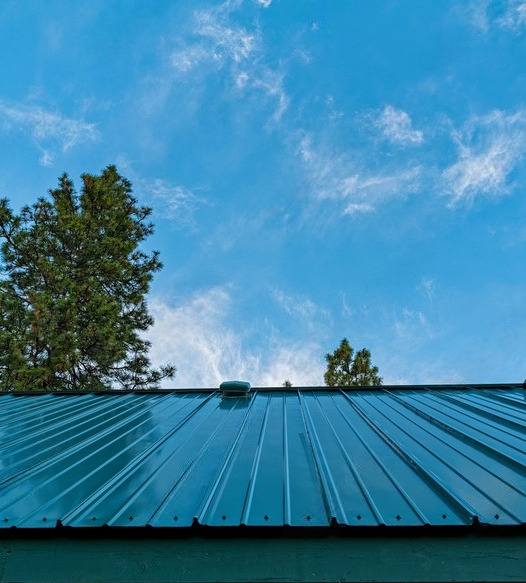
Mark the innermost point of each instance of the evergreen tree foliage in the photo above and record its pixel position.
(343, 370)
(73, 289)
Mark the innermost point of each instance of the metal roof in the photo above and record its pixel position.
(389, 456)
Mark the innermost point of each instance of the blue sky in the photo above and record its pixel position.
(317, 170)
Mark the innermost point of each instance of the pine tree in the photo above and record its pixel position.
(74, 286)
(343, 370)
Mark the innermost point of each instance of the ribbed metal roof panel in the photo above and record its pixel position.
(306, 457)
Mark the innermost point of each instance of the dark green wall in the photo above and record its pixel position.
(462, 558)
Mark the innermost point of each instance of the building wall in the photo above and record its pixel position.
(330, 558)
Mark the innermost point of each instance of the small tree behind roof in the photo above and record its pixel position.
(343, 370)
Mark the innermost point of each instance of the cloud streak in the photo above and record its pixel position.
(218, 40)
(173, 202)
(178, 203)
(214, 41)
(339, 177)
(199, 337)
(489, 149)
(48, 129)
(301, 308)
(427, 286)
(396, 127)
(504, 14)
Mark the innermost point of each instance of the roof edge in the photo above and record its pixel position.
(285, 531)
(281, 389)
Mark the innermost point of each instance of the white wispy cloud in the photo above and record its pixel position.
(196, 336)
(299, 307)
(396, 126)
(346, 309)
(476, 14)
(178, 204)
(271, 83)
(366, 192)
(406, 370)
(505, 14)
(411, 325)
(301, 363)
(215, 41)
(415, 350)
(355, 208)
(219, 40)
(334, 113)
(427, 286)
(339, 176)
(49, 130)
(170, 201)
(238, 229)
(47, 158)
(514, 16)
(199, 337)
(186, 59)
(490, 148)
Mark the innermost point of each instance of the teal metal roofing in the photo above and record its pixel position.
(395, 456)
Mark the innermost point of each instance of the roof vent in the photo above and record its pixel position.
(234, 388)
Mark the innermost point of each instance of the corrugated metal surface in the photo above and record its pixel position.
(306, 457)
